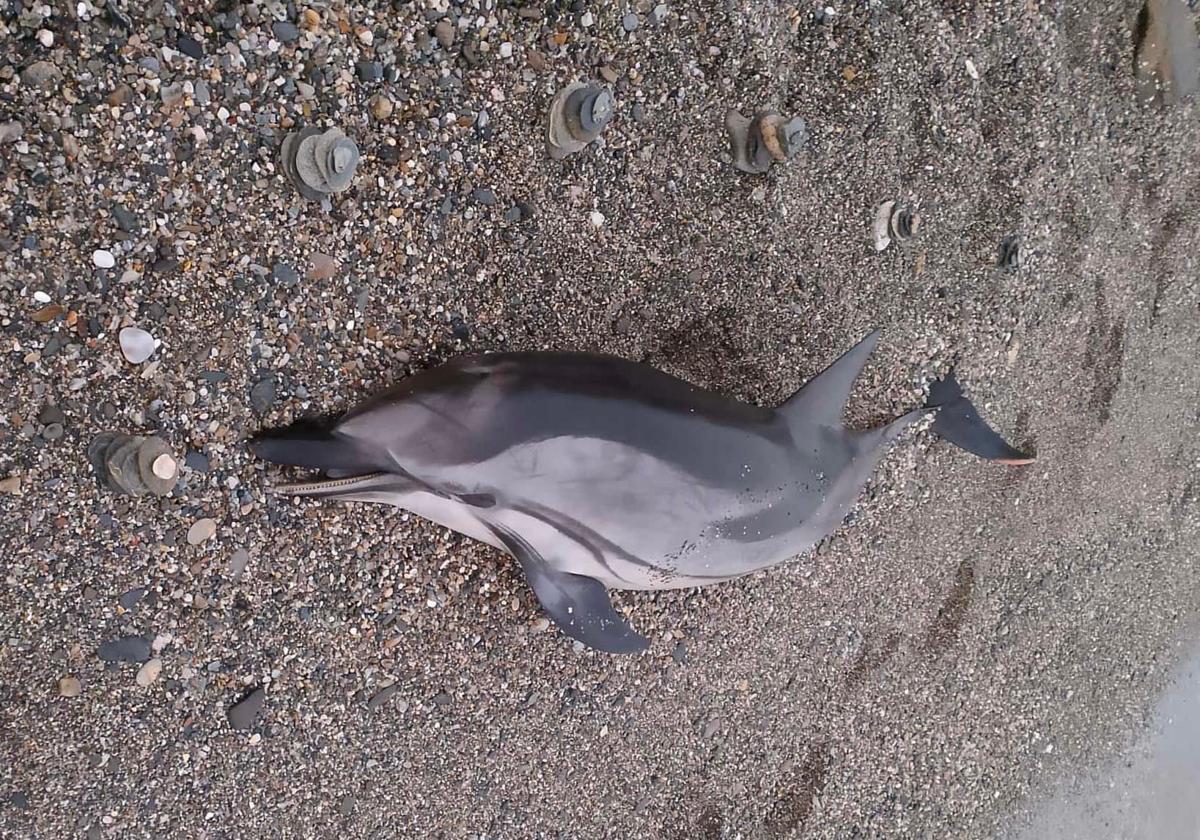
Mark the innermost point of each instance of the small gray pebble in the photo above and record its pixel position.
(197, 461)
(484, 196)
(190, 47)
(129, 599)
(382, 696)
(630, 22)
(125, 649)
(244, 713)
(285, 31)
(285, 275)
(53, 431)
(262, 395)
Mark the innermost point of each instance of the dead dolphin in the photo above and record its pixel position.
(595, 472)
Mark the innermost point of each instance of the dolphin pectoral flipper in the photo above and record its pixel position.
(959, 422)
(579, 605)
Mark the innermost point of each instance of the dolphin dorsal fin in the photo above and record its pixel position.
(822, 400)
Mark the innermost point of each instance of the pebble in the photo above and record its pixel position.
(149, 672)
(286, 31)
(40, 74)
(381, 107)
(586, 19)
(69, 687)
(506, 49)
(137, 345)
(11, 486)
(541, 625)
(103, 259)
(125, 649)
(196, 461)
(201, 530)
(45, 38)
(11, 131)
(322, 268)
(238, 561)
(444, 32)
(596, 218)
(284, 274)
(130, 599)
(382, 696)
(190, 47)
(630, 22)
(369, 71)
(124, 219)
(164, 467)
(659, 13)
(262, 395)
(244, 713)
(484, 196)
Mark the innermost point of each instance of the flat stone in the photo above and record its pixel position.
(129, 599)
(630, 22)
(484, 196)
(382, 696)
(40, 74)
(262, 395)
(445, 32)
(245, 712)
(323, 267)
(285, 275)
(190, 47)
(10, 132)
(69, 687)
(125, 649)
(369, 71)
(196, 461)
(285, 31)
(201, 530)
(124, 219)
(238, 561)
(103, 259)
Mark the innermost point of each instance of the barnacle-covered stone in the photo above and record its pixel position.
(132, 464)
(577, 115)
(319, 163)
(757, 143)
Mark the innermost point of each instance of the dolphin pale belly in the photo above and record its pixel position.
(595, 472)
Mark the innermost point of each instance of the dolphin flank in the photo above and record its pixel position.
(595, 472)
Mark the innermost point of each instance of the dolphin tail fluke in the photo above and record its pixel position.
(305, 446)
(823, 398)
(959, 422)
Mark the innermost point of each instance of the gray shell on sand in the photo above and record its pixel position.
(319, 163)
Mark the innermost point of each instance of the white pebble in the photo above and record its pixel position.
(587, 19)
(149, 672)
(164, 466)
(45, 38)
(597, 218)
(506, 49)
(41, 297)
(201, 531)
(103, 259)
(971, 71)
(137, 345)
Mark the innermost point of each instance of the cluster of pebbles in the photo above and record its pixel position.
(319, 163)
(134, 465)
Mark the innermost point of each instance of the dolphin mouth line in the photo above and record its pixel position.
(300, 488)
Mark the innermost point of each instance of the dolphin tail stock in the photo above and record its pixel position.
(958, 421)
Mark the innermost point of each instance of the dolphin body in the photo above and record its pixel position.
(595, 472)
